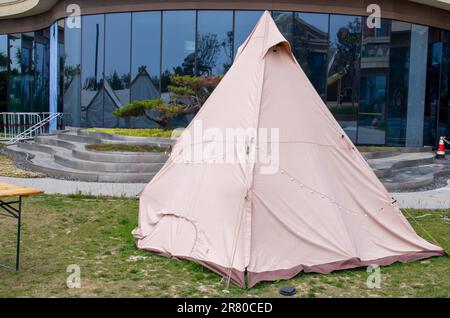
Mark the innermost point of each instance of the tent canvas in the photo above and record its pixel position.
(322, 210)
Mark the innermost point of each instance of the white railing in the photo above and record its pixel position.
(22, 126)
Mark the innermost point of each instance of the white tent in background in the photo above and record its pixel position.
(322, 210)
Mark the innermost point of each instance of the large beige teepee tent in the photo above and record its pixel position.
(322, 210)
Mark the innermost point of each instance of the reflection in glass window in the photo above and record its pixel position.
(343, 71)
(285, 22)
(92, 70)
(444, 105)
(244, 23)
(178, 45)
(72, 75)
(398, 83)
(214, 42)
(434, 61)
(15, 77)
(41, 66)
(3, 72)
(146, 52)
(374, 78)
(310, 47)
(116, 88)
(27, 70)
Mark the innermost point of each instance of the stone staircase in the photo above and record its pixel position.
(63, 155)
(408, 168)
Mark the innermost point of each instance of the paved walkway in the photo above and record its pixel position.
(434, 199)
(56, 186)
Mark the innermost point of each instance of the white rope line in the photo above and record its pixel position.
(331, 200)
(421, 227)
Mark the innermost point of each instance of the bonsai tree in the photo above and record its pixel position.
(187, 95)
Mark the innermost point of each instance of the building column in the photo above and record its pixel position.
(417, 85)
(53, 107)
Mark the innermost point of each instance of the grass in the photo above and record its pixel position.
(374, 148)
(124, 148)
(151, 132)
(8, 169)
(94, 233)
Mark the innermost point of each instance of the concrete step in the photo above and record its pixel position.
(110, 138)
(395, 152)
(416, 177)
(131, 158)
(77, 138)
(52, 141)
(32, 146)
(85, 165)
(385, 167)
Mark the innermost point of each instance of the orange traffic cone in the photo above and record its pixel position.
(440, 153)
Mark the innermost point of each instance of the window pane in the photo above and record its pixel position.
(3, 72)
(398, 83)
(374, 78)
(444, 106)
(434, 61)
(343, 71)
(15, 77)
(416, 86)
(92, 70)
(214, 42)
(285, 23)
(117, 66)
(72, 76)
(311, 47)
(244, 23)
(145, 55)
(27, 70)
(178, 45)
(41, 65)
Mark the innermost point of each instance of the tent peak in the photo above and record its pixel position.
(267, 29)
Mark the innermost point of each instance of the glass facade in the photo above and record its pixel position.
(178, 45)
(375, 49)
(363, 74)
(214, 42)
(310, 47)
(3, 73)
(116, 91)
(444, 100)
(342, 96)
(92, 70)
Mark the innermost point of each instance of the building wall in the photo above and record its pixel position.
(407, 11)
(363, 74)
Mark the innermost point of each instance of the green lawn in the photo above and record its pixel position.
(374, 148)
(124, 148)
(150, 132)
(95, 234)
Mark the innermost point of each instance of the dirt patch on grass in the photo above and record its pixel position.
(8, 169)
(124, 148)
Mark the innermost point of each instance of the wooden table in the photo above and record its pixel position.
(14, 210)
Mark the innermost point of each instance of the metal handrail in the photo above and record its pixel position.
(23, 126)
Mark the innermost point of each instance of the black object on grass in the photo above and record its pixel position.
(288, 291)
